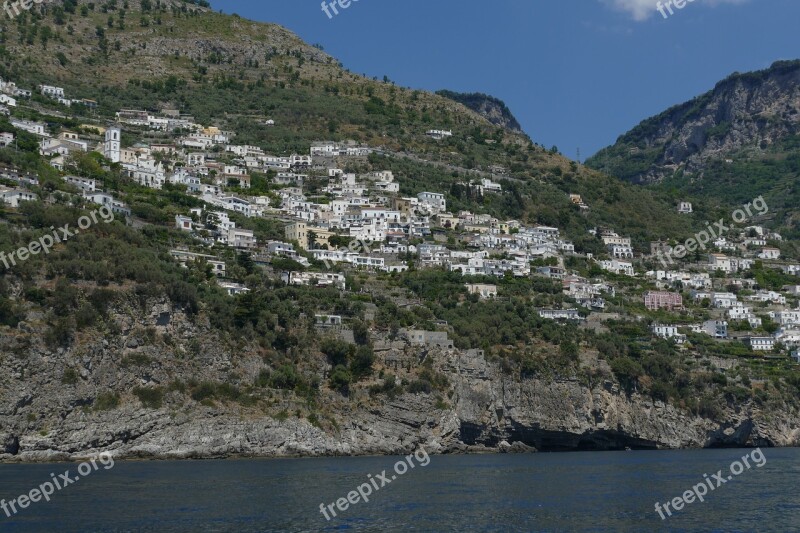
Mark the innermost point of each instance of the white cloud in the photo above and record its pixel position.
(644, 9)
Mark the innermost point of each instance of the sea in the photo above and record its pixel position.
(581, 491)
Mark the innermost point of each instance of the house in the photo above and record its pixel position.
(183, 257)
(793, 270)
(716, 328)
(13, 197)
(668, 332)
(769, 253)
(618, 251)
(284, 249)
(612, 239)
(761, 344)
(102, 198)
(433, 200)
(298, 232)
(617, 267)
(559, 314)
(721, 262)
(37, 128)
(789, 337)
(654, 300)
(328, 321)
(552, 272)
(6, 138)
(319, 279)
(233, 289)
(431, 339)
(241, 238)
(184, 223)
(483, 290)
(51, 91)
(84, 184)
(7, 100)
(685, 208)
(439, 134)
(796, 356)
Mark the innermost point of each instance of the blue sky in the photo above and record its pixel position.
(576, 73)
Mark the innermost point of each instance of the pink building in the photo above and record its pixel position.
(663, 300)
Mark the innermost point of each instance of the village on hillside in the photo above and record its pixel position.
(336, 221)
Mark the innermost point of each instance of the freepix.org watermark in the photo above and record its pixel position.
(13, 9)
(364, 491)
(353, 247)
(48, 488)
(757, 207)
(664, 7)
(46, 242)
(699, 491)
(331, 8)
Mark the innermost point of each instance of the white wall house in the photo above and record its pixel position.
(761, 344)
(51, 91)
(433, 199)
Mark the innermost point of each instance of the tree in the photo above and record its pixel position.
(340, 379)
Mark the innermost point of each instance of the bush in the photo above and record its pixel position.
(106, 401)
(361, 366)
(70, 377)
(340, 379)
(151, 397)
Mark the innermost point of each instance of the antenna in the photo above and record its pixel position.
(579, 154)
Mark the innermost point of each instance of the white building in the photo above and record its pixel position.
(761, 344)
(51, 91)
(37, 128)
(85, 184)
(485, 291)
(617, 267)
(560, 314)
(112, 146)
(667, 332)
(13, 197)
(770, 253)
(433, 199)
(439, 134)
(184, 223)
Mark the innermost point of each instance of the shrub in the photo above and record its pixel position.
(106, 401)
(70, 377)
(340, 379)
(151, 397)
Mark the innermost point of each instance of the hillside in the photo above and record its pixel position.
(237, 73)
(267, 287)
(745, 114)
(735, 143)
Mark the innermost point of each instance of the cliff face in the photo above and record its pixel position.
(744, 112)
(47, 416)
(492, 109)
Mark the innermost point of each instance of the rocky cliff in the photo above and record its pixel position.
(55, 403)
(492, 109)
(751, 111)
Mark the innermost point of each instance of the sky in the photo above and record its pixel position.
(577, 74)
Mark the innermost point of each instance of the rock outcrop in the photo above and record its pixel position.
(52, 414)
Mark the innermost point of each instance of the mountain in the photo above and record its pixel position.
(744, 114)
(114, 340)
(493, 109)
(735, 143)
